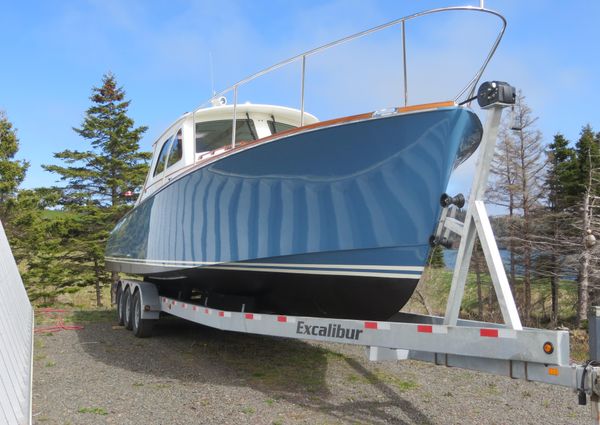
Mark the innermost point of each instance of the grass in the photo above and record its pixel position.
(248, 410)
(91, 316)
(93, 410)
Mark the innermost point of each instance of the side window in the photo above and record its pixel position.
(162, 158)
(176, 151)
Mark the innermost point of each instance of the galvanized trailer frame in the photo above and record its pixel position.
(503, 349)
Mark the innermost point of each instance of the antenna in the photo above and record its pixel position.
(212, 75)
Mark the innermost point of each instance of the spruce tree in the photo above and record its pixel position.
(98, 178)
(436, 257)
(12, 171)
(556, 223)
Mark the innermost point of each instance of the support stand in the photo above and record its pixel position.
(477, 224)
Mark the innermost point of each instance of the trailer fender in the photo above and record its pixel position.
(148, 297)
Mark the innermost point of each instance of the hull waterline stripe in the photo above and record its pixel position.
(275, 266)
(323, 272)
(329, 266)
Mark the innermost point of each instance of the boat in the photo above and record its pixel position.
(264, 208)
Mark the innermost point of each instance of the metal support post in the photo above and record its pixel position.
(594, 333)
(595, 402)
(477, 224)
(234, 124)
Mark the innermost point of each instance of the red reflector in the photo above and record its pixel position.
(281, 319)
(194, 308)
(425, 328)
(206, 310)
(249, 316)
(492, 333)
(370, 325)
(221, 314)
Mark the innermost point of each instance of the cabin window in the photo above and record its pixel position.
(276, 127)
(176, 151)
(212, 135)
(162, 157)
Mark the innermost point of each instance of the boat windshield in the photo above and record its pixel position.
(211, 135)
(276, 127)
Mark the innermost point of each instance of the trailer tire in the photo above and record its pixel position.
(142, 328)
(120, 306)
(127, 309)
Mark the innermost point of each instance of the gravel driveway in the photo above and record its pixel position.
(190, 374)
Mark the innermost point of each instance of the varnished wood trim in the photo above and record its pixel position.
(434, 105)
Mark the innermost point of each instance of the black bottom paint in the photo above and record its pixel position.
(344, 297)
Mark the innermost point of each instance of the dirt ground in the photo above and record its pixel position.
(190, 374)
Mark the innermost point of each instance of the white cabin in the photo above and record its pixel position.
(175, 151)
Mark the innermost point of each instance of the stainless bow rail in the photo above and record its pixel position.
(469, 89)
(16, 341)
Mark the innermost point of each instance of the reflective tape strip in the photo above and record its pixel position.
(377, 325)
(489, 333)
(252, 316)
(507, 333)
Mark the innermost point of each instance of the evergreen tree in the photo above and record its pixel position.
(556, 223)
(42, 245)
(436, 257)
(98, 178)
(12, 171)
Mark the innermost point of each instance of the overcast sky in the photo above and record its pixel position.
(54, 52)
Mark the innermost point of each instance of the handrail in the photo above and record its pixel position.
(469, 88)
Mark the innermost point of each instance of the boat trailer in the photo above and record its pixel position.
(507, 349)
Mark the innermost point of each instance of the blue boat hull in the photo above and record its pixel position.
(329, 222)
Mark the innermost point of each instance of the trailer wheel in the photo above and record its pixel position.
(127, 309)
(120, 307)
(142, 328)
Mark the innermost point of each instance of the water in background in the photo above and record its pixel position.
(450, 261)
(450, 258)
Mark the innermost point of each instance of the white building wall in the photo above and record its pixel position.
(16, 341)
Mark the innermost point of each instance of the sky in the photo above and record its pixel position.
(54, 52)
